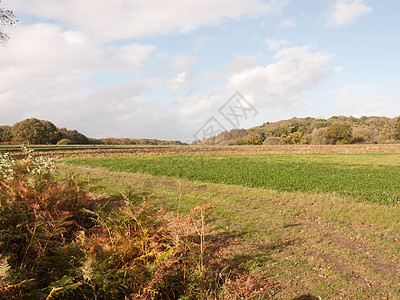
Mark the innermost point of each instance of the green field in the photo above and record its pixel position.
(319, 225)
(371, 177)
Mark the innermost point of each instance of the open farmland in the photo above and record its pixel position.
(61, 151)
(363, 176)
(324, 225)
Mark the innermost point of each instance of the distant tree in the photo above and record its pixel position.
(94, 141)
(365, 135)
(255, 138)
(317, 137)
(5, 134)
(297, 138)
(7, 18)
(240, 141)
(339, 133)
(365, 129)
(53, 133)
(147, 142)
(34, 131)
(318, 123)
(74, 136)
(396, 129)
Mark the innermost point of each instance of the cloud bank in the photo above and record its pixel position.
(346, 12)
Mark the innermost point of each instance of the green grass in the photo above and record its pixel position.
(371, 177)
(325, 245)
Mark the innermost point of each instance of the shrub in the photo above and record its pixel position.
(317, 137)
(365, 135)
(339, 133)
(32, 167)
(38, 217)
(64, 142)
(254, 138)
(396, 129)
(297, 138)
(240, 141)
(273, 140)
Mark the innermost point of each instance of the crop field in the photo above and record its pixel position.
(363, 176)
(320, 223)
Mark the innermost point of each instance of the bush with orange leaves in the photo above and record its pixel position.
(38, 218)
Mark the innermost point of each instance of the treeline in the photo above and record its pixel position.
(40, 132)
(335, 130)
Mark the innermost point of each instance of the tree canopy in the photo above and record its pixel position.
(316, 131)
(34, 131)
(339, 133)
(396, 130)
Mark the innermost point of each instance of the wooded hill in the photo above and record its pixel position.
(40, 132)
(335, 130)
(34, 131)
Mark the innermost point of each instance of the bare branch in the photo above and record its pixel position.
(7, 18)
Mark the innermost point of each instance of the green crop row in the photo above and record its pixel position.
(358, 175)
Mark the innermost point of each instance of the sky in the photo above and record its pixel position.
(183, 70)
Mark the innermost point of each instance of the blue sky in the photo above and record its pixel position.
(162, 69)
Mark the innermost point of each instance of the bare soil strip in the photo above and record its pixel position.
(53, 151)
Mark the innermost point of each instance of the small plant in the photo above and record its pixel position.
(30, 166)
(7, 165)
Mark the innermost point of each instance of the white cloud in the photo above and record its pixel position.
(344, 93)
(44, 72)
(67, 70)
(121, 111)
(183, 62)
(178, 83)
(201, 43)
(359, 100)
(47, 49)
(338, 69)
(75, 37)
(346, 12)
(287, 23)
(238, 64)
(297, 69)
(283, 83)
(369, 106)
(275, 45)
(123, 19)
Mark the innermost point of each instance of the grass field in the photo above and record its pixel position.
(372, 177)
(322, 226)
